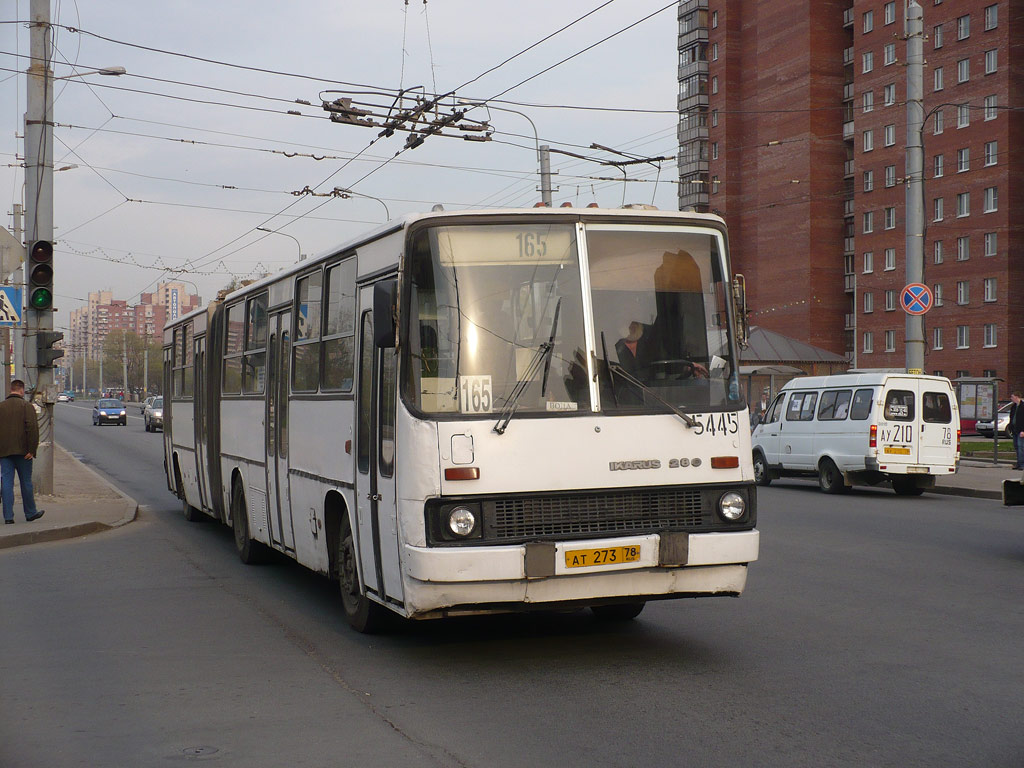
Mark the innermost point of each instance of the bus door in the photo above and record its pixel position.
(282, 534)
(199, 420)
(376, 498)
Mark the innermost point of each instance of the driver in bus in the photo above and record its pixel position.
(639, 349)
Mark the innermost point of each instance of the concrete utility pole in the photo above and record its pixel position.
(39, 225)
(545, 174)
(17, 334)
(124, 362)
(915, 343)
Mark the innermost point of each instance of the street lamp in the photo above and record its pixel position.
(542, 152)
(350, 193)
(279, 232)
(110, 71)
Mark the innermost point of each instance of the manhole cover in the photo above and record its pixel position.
(194, 753)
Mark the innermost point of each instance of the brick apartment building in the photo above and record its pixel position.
(793, 127)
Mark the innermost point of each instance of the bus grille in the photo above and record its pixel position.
(625, 512)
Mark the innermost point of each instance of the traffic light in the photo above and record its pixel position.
(40, 276)
(45, 353)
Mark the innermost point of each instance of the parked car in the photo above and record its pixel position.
(984, 428)
(145, 404)
(109, 411)
(154, 415)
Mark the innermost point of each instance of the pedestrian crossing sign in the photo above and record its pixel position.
(10, 306)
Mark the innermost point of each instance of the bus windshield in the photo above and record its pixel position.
(498, 320)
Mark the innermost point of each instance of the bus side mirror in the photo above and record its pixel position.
(739, 305)
(385, 294)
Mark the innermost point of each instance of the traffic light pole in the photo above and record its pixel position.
(39, 227)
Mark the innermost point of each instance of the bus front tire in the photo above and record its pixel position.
(250, 552)
(830, 479)
(618, 611)
(362, 613)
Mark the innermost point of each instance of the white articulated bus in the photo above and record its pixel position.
(478, 412)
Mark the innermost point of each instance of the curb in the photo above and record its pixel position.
(977, 493)
(133, 504)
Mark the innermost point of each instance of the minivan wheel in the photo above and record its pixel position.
(762, 475)
(830, 479)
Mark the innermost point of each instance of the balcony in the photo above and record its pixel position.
(850, 322)
(848, 246)
(848, 92)
(848, 18)
(848, 168)
(849, 283)
(848, 130)
(848, 55)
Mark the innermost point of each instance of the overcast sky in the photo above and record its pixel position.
(150, 192)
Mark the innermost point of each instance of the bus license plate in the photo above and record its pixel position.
(897, 449)
(585, 558)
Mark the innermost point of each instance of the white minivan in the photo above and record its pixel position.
(860, 428)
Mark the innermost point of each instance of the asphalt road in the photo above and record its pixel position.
(876, 631)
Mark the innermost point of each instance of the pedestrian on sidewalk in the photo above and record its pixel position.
(1017, 428)
(19, 441)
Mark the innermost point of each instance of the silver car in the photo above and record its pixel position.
(154, 415)
(984, 428)
(146, 403)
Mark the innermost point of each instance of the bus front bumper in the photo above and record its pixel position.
(673, 564)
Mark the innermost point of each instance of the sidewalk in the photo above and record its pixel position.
(83, 502)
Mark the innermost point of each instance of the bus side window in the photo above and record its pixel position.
(935, 408)
(861, 407)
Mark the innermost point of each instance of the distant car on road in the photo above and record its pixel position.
(109, 411)
(145, 404)
(984, 428)
(154, 415)
(65, 397)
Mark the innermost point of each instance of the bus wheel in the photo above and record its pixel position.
(830, 479)
(905, 486)
(362, 613)
(251, 552)
(762, 475)
(618, 611)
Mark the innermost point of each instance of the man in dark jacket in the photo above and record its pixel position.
(1016, 427)
(19, 441)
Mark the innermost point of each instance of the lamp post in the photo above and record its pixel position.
(543, 151)
(350, 193)
(109, 71)
(285, 234)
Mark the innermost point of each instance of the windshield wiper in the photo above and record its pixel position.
(618, 370)
(541, 355)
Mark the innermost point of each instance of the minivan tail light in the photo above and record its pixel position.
(958, 441)
(873, 438)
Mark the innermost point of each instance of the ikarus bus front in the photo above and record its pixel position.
(537, 409)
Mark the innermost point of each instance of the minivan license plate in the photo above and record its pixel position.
(899, 449)
(584, 558)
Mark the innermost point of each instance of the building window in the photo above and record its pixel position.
(963, 70)
(890, 12)
(963, 248)
(991, 202)
(869, 140)
(939, 212)
(869, 100)
(889, 135)
(938, 166)
(890, 217)
(962, 374)
(990, 243)
(963, 292)
(869, 303)
(989, 373)
(869, 262)
(714, 118)
(963, 204)
(867, 61)
(963, 160)
(889, 94)
(937, 338)
(990, 289)
(938, 75)
(714, 51)
(938, 251)
(963, 27)
(714, 185)
(714, 19)
(990, 334)
(714, 150)
(890, 259)
(869, 342)
(869, 180)
(890, 341)
(890, 175)
(940, 121)
(991, 61)
(937, 294)
(714, 84)
(868, 223)
(963, 115)
(889, 54)
(991, 17)
(890, 301)
(991, 107)
(963, 337)
(869, 21)
(937, 35)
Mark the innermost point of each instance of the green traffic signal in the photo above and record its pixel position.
(41, 275)
(41, 298)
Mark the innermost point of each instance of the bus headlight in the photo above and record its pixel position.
(731, 506)
(461, 522)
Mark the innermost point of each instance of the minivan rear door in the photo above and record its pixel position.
(898, 425)
(937, 444)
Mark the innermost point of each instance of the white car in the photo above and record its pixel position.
(984, 428)
(63, 398)
(145, 404)
(154, 415)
